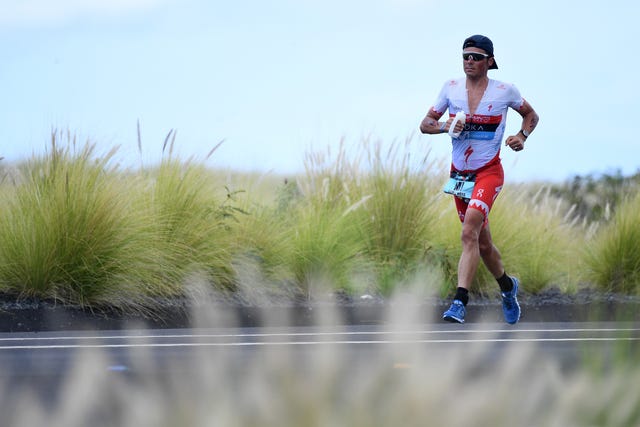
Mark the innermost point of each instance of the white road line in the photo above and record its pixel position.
(314, 334)
(309, 343)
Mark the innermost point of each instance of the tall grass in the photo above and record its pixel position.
(307, 232)
(537, 238)
(190, 222)
(350, 222)
(66, 231)
(325, 250)
(399, 218)
(390, 200)
(75, 227)
(612, 257)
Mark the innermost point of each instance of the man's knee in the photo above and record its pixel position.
(469, 235)
(472, 227)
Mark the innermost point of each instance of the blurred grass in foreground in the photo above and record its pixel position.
(325, 384)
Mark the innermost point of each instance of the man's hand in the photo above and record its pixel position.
(515, 142)
(459, 127)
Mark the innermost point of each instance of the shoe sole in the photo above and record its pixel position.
(452, 319)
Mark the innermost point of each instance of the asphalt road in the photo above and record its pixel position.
(33, 356)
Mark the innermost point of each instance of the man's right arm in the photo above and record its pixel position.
(431, 125)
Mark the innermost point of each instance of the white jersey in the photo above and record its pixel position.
(481, 139)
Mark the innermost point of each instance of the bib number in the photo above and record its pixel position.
(460, 185)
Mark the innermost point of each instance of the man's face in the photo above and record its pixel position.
(475, 61)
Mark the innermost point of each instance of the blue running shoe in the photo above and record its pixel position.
(510, 306)
(455, 313)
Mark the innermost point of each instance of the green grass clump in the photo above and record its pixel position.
(325, 250)
(77, 229)
(612, 257)
(316, 214)
(190, 224)
(67, 231)
(350, 223)
(389, 203)
(399, 218)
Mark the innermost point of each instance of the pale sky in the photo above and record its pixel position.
(276, 79)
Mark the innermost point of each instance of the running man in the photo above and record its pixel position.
(476, 172)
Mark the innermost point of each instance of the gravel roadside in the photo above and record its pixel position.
(31, 315)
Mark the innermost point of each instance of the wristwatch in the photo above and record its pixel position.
(525, 133)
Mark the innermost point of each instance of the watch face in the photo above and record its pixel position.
(525, 133)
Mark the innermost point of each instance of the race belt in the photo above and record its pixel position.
(460, 185)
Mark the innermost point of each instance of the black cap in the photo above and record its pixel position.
(481, 42)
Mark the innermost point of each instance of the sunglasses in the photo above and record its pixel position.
(474, 55)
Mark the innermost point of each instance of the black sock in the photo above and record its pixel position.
(462, 294)
(505, 283)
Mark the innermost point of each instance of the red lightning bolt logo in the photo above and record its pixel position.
(467, 154)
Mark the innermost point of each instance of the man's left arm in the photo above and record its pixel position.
(529, 122)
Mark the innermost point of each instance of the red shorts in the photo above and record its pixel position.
(489, 181)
